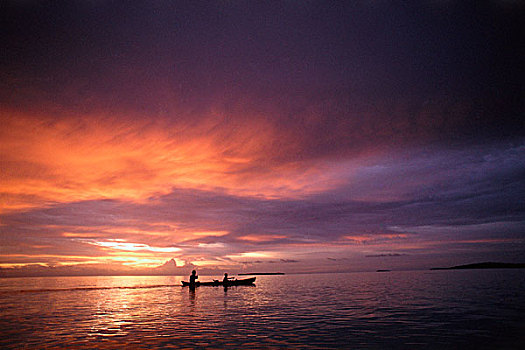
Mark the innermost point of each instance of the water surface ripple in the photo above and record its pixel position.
(398, 310)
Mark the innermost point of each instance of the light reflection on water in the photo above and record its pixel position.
(425, 309)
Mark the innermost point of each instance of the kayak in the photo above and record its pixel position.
(215, 283)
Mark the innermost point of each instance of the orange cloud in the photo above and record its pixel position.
(260, 238)
(81, 158)
(375, 238)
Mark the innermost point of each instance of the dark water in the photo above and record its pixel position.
(396, 310)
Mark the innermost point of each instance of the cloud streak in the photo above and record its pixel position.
(205, 227)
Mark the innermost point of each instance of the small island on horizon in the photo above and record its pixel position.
(261, 273)
(483, 265)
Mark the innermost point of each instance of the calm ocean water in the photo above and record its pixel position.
(405, 310)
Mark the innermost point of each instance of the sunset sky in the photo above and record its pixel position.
(241, 136)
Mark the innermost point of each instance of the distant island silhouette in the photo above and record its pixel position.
(261, 273)
(483, 265)
(382, 270)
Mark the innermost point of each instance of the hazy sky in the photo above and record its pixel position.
(292, 136)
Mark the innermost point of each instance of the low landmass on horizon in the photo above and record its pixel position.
(483, 265)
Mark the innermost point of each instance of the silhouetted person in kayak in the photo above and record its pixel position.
(193, 278)
(226, 280)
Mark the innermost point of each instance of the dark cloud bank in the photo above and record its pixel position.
(341, 74)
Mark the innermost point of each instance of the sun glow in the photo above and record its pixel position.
(122, 245)
(252, 255)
